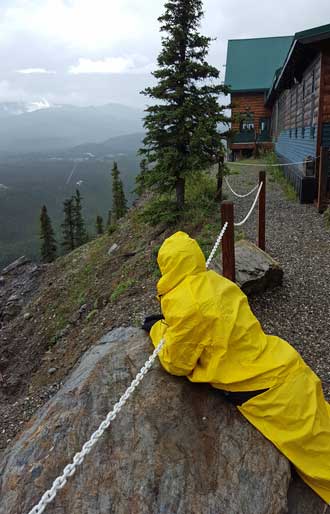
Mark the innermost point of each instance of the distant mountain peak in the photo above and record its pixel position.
(36, 106)
(41, 127)
(17, 108)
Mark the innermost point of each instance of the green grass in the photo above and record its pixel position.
(327, 217)
(276, 174)
(79, 268)
(121, 288)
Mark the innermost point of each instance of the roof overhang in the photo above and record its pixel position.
(304, 49)
(243, 91)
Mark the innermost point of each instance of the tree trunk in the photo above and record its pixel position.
(180, 191)
(218, 194)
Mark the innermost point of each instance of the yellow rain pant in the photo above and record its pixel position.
(212, 336)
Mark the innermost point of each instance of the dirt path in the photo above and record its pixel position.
(296, 236)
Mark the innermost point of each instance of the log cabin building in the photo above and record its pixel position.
(280, 100)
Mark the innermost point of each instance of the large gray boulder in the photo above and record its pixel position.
(255, 269)
(175, 448)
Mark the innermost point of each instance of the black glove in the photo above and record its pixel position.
(150, 321)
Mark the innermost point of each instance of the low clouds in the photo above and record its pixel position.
(85, 52)
(10, 93)
(130, 64)
(36, 71)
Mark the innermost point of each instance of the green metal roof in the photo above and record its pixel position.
(252, 63)
(315, 33)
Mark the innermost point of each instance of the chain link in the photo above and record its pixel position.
(218, 241)
(70, 469)
(238, 195)
(252, 207)
(77, 460)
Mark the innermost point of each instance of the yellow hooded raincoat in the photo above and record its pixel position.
(212, 336)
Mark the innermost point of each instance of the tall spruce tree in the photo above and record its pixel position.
(182, 128)
(48, 242)
(141, 177)
(109, 220)
(110, 226)
(68, 226)
(99, 225)
(80, 233)
(119, 204)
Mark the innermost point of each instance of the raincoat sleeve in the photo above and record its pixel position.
(185, 342)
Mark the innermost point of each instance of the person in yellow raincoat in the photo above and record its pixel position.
(212, 336)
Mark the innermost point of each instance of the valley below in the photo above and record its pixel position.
(28, 183)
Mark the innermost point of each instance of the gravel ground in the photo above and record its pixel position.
(297, 237)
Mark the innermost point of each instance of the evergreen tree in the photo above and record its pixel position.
(48, 241)
(182, 128)
(111, 227)
(80, 234)
(119, 205)
(109, 220)
(141, 177)
(99, 225)
(68, 226)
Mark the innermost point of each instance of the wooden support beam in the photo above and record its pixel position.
(322, 179)
(262, 212)
(228, 244)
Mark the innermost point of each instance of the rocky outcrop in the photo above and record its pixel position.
(256, 271)
(174, 448)
(18, 283)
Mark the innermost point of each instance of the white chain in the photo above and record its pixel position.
(218, 241)
(70, 469)
(252, 207)
(238, 195)
(269, 165)
(77, 460)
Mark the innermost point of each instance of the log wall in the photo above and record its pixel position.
(248, 102)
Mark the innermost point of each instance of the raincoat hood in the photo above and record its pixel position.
(178, 257)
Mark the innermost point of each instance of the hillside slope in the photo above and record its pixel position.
(78, 298)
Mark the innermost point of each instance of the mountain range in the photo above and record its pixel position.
(59, 127)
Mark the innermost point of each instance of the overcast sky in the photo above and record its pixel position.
(89, 52)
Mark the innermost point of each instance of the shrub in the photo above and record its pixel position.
(327, 217)
(121, 288)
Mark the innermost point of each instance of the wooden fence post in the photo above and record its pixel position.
(228, 245)
(322, 179)
(218, 194)
(262, 212)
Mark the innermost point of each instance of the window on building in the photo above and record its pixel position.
(247, 122)
(264, 124)
(302, 131)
